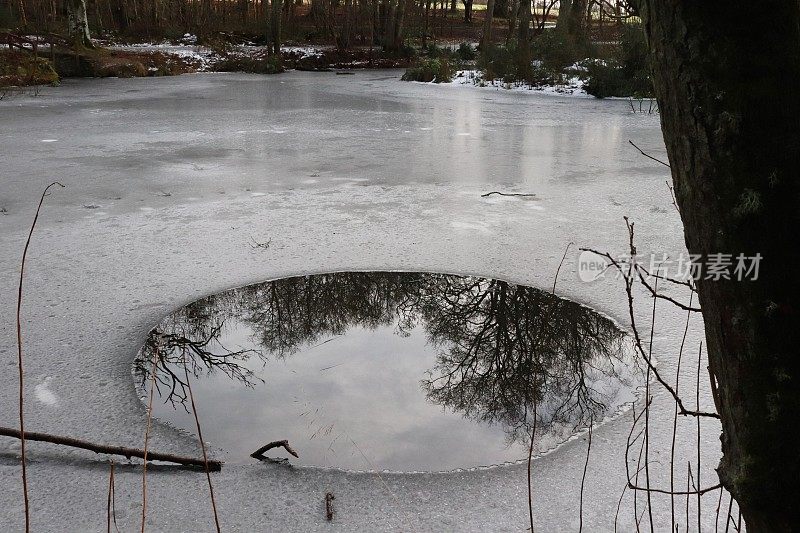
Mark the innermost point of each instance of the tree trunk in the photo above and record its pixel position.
(576, 23)
(572, 17)
(467, 11)
(486, 35)
(564, 11)
(343, 41)
(727, 88)
(275, 27)
(22, 16)
(523, 52)
(426, 23)
(78, 23)
(524, 29)
(398, 35)
(512, 20)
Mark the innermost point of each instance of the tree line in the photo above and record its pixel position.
(347, 23)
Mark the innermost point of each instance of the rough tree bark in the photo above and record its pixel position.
(727, 88)
(78, 23)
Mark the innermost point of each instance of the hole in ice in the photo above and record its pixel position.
(387, 370)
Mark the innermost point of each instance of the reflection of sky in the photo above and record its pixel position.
(353, 401)
(373, 398)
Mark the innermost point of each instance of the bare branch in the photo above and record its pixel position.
(648, 155)
(110, 450)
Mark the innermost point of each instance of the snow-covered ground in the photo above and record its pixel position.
(205, 57)
(169, 180)
(572, 86)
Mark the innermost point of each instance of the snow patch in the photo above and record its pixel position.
(44, 394)
(573, 85)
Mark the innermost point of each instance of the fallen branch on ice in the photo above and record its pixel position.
(214, 466)
(259, 453)
(506, 194)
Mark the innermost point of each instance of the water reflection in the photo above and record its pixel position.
(423, 371)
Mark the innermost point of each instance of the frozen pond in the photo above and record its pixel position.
(387, 371)
(174, 184)
(204, 135)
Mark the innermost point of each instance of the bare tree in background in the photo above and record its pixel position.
(78, 23)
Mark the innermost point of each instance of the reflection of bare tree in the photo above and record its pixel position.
(193, 344)
(288, 314)
(501, 347)
(504, 348)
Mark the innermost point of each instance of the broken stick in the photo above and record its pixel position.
(506, 194)
(329, 497)
(214, 466)
(259, 453)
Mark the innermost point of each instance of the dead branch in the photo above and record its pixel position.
(259, 453)
(648, 155)
(655, 294)
(255, 245)
(637, 339)
(329, 511)
(213, 465)
(506, 194)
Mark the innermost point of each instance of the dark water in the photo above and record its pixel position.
(387, 370)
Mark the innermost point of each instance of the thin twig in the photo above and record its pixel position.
(638, 342)
(19, 361)
(202, 446)
(530, 458)
(675, 417)
(688, 481)
(111, 514)
(648, 155)
(535, 406)
(647, 418)
(147, 432)
(728, 520)
(555, 280)
(583, 479)
(719, 504)
(699, 360)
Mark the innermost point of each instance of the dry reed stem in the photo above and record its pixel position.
(203, 446)
(19, 361)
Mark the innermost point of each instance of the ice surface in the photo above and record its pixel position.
(98, 280)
